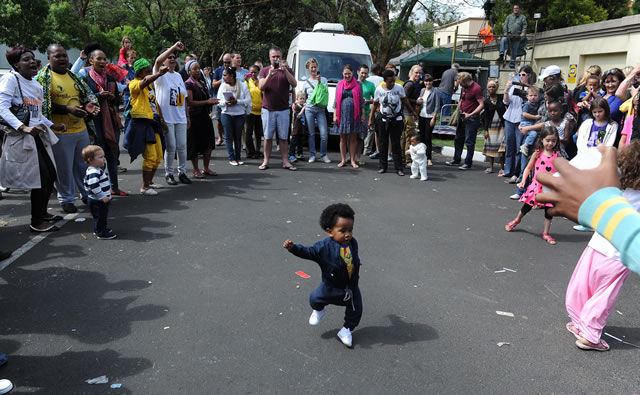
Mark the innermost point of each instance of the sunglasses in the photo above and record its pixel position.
(609, 72)
(524, 74)
(229, 62)
(171, 57)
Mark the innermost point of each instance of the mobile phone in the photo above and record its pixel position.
(276, 64)
(250, 75)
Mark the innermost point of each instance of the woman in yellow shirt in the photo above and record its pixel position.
(253, 125)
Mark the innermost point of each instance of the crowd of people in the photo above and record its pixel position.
(62, 128)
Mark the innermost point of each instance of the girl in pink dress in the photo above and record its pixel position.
(599, 274)
(547, 149)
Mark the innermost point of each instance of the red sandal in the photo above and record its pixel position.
(509, 227)
(547, 237)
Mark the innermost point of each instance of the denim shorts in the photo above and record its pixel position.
(272, 120)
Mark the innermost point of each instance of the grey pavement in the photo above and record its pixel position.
(197, 295)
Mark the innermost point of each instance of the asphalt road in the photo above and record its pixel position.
(197, 295)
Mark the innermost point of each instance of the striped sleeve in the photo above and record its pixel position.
(96, 183)
(611, 215)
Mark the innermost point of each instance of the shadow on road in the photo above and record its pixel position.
(397, 333)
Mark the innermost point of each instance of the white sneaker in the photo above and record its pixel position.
(326, 159)
(515, 196)
(155, 186)
(5, 386)
(312, 158)
(316, 316)
(345, 336)
(413, 177)
(148, 192)
(424, 179)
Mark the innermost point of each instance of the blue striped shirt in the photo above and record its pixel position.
(97, 184)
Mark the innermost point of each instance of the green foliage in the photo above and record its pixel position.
(21, 21)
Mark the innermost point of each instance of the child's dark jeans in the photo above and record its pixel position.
(99, 211)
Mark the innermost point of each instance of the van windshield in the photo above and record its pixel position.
(330, 64)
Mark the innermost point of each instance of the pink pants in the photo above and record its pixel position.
(593, 291)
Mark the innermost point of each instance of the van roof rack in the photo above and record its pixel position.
(328, 27)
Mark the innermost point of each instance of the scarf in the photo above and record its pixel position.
(357, 97)
(100, 79)
(44, 78)
(235, 89)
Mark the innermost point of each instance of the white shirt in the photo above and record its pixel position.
(425, 98)
(243, 105)
(33, 97)
(376, 80)
(601, 244)
(514, 112)
(309, 86)
(171, 95)
(390, 101)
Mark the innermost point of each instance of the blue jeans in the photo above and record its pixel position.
(320, 115)
(232, 125)
(513, 139)
(445, 99)
(531, 138)
(466, 134)
(515, 46)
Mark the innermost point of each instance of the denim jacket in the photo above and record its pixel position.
(326, 253)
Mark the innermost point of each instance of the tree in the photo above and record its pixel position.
(21, 21)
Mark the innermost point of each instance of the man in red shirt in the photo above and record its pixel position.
(275, 83)
(471, 105)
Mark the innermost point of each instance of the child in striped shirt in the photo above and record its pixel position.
(98, 189)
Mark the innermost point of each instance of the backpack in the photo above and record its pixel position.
(320, 95)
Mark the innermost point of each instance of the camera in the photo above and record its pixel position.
(519, 91)
(276, 64)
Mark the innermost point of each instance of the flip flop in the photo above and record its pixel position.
(571, 327)
(209, 172)
(290, 168)
(263, 167)
(118, 192)
(601, 346)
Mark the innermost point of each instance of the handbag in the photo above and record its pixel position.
(455, 117)
(20, 111)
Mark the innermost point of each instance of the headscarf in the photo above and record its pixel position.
(140, 64)
(189, 64)
(357, 96)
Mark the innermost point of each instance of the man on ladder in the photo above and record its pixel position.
(514, 28)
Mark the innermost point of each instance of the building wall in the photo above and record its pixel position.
(446, 33)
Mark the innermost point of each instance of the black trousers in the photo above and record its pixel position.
(99, 211)
(527, 207)
(394, 129)
(425, 131)
(324, 295)
(253, 131)
(40, 197)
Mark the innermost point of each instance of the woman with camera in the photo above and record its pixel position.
(514, 97)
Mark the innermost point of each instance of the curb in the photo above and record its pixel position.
(477, 156)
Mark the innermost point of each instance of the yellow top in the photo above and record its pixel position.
(256, 97)
(397, 82)
(141, 100)
(64, 92)
(345, 254)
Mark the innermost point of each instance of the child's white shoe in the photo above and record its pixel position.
(345, 336)
(424, 179)
(316, 316)
(413, 177)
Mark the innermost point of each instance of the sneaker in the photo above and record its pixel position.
(312, 158)
(345, 337)
(122, 169)
(389, 158)
(148, 192)
(184, 179)
(326, 159)
(464, 167)
(155, 186)
(524, 149)
(375, 155)
(5, 386)
(512, 65)
(424, 178)
(452, 163)
(233, 163)
(299, 156)
(511, 180)
(171, 180)
(292, 158)
(108, 235)
(581, 228)
(413, 177)
(316, 316)
(500, 58)
(240, 163)
(69, 208)
(515, 196)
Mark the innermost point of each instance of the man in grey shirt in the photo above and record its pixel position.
(514, 28)
(447, 87)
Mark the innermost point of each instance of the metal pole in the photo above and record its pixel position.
(533, 50)
(455, 43)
